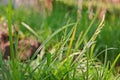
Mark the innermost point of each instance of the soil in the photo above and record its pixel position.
(25, 48)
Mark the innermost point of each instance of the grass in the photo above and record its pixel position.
(10, 29)
(71, 48)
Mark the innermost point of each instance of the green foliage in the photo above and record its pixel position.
(71, 48)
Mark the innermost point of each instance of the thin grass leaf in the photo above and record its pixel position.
(9, 16)
(92, 50)
(72, 38)
(104, 51)
(113, 64)
(30, 29)
(48, 58)
(80, 36)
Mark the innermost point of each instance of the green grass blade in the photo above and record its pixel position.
(30, 29)
(72, 38)
(10, 28)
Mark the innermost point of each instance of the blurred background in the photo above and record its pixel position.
(46, 16)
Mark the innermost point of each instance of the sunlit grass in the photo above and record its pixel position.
(70, 57)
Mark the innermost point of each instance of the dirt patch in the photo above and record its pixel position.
(25, 47)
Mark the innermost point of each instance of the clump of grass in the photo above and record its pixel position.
(65, 61)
